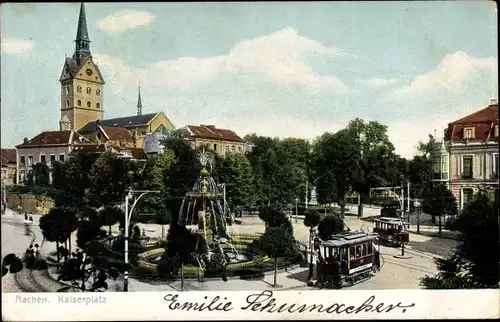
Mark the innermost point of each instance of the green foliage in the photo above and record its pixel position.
(274, 217)
(88, 231)
(438, 201)
(312, 218)
(277, 242)
(153, 178)
(329, 226)
(41, 174)
(109, 177)
(11, 264)
(236, 172)
(109, 216)
(336, 164)
(57, 225)
(475, 263)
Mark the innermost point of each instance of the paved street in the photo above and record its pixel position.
(395, 273)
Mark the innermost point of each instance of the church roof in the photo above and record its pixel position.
(74, 67)
(128, 122)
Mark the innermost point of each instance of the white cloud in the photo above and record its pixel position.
(455, 71)
(16, 46)
(123, 20)
(278, 58)
(377, 82)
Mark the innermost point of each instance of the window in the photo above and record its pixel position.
(67, 90)
(239, 149)
(89, 104)
(467, 167)
(30, 160)
(23, 159)
(79, 89)
(61, 157)
(370, 248)
(468, 133)
(97, 105)
(89, 90)
(42, 158)
(352, 253)
(467, 194)
(52, 158)
(496, 130)
(227, 148)
(363, 250)
(215, 147)
(233, 149)
(67, 103)
(98, 92)
(79, 103)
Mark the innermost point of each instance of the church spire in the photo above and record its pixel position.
(82, 41)
(139, 103)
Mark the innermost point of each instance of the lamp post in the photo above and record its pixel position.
(128, 215)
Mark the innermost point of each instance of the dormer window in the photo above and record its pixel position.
(469, 132)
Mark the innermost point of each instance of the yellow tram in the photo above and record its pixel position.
(346, 258)
(391, 230)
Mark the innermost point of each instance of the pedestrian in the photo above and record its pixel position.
(31, 218)
(25, 216)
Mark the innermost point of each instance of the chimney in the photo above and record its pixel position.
(25, 140)
(493, 101)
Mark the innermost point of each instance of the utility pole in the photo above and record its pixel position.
(408, 203)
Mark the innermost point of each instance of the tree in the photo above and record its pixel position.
(475, 262)
(277, 242)
(88, 231)
(74, 181)
(154, 179)
(329, 226)
(57, 225)
(89, 271)
(11, 264)
(336, 165)
(57, 170)
(109, 216)
(109, 177)
(41, 174)
(235, 171)
(378, 157)
(439, 201)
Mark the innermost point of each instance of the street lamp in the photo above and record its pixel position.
(128, 215)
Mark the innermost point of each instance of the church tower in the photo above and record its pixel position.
(81, 83)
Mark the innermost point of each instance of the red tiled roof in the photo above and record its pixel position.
(486, 115)
(211, 132)
(483, 121)
(48, 138)
(8, 155)
(117, 133)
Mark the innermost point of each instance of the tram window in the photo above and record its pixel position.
(352, 253)
(363, 250)
(370, 248)
(330, 251)
(358, 251)
(343, 254)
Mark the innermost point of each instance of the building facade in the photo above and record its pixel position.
(81, 83)
(221, 141)
(8, 161)
(468, 156)
(47, 147)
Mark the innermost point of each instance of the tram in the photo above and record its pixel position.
(346, 258)
(391, 230)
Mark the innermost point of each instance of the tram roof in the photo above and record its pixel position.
(390, 220)
(347, 238)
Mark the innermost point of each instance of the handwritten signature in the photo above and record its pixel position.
(266, 302)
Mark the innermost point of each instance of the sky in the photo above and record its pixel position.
(280, 69)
